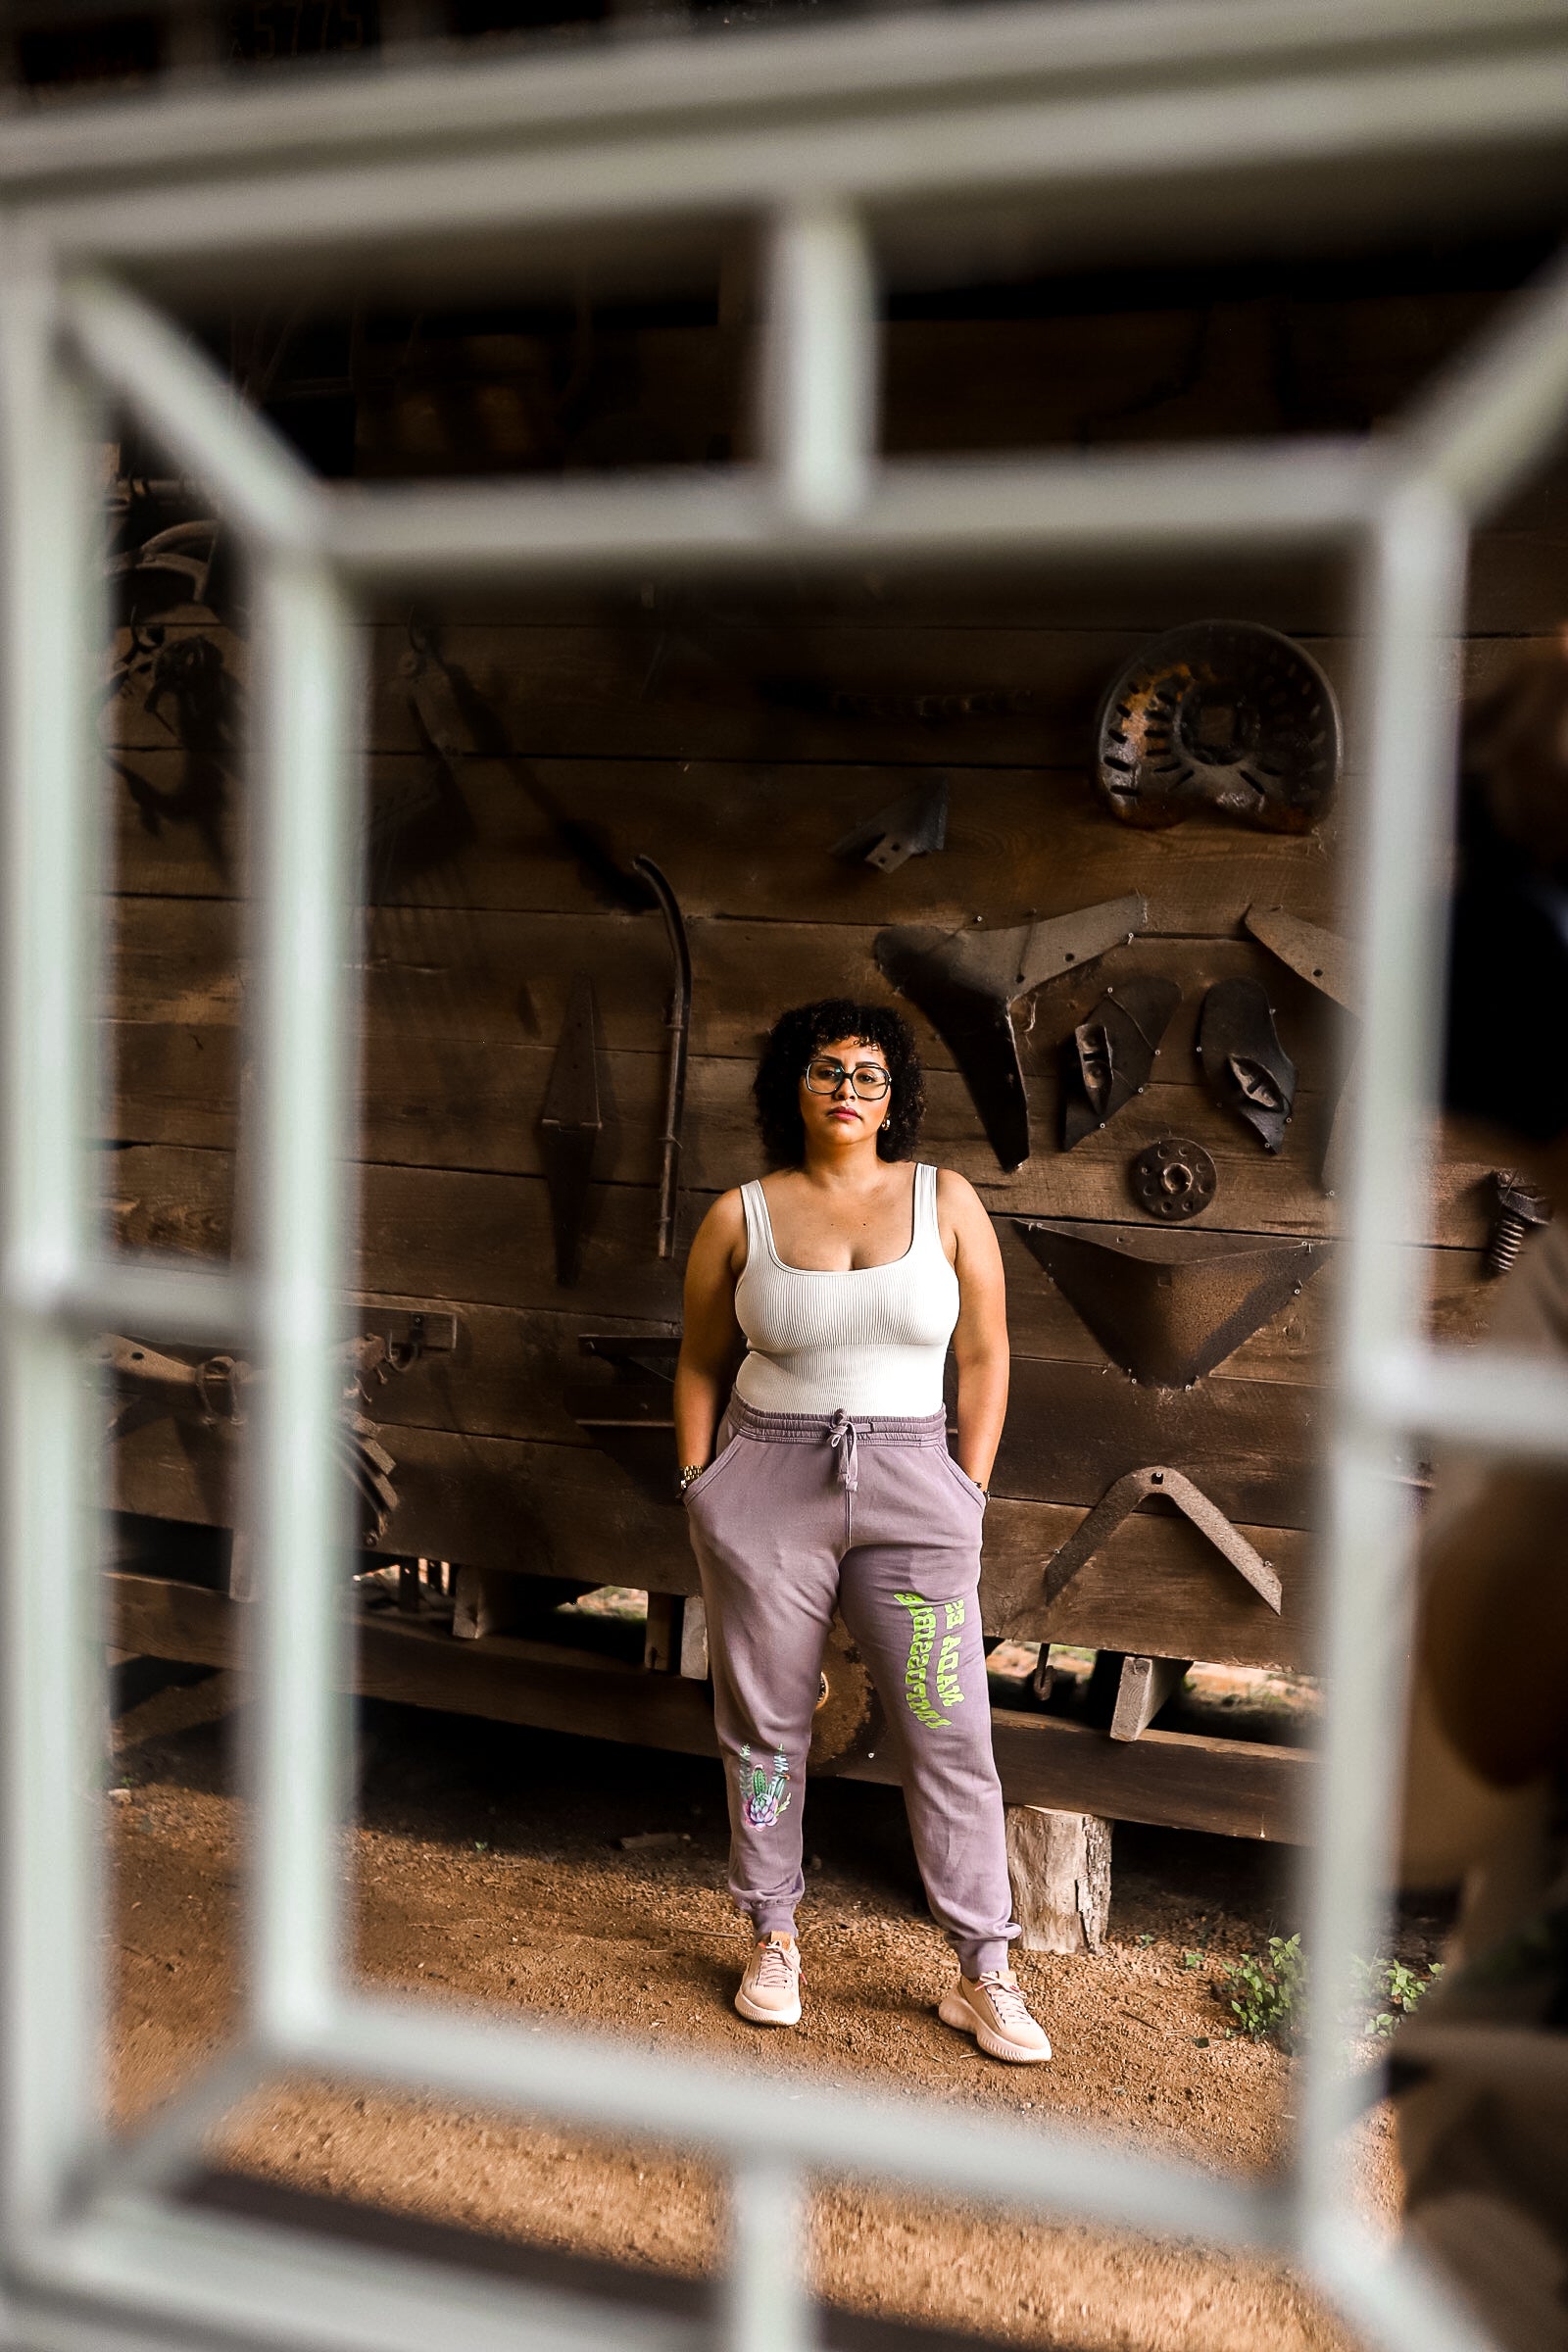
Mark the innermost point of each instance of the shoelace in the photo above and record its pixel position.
(774, 1972)
(841, 1437)
(1008, 2003)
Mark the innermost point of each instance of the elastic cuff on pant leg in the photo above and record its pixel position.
(976, 1958)
(772, 1919)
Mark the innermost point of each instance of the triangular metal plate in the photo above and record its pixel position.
(1169, 1307)
(1110, 1055)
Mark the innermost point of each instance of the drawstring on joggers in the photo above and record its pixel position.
(841, 1437)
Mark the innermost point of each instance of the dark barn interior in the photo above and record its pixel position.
(812, 764)
(827, 781)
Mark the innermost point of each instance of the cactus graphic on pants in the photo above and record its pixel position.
(764, 1795)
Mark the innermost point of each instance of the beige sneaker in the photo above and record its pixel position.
(993, 2010)
(769, 1991)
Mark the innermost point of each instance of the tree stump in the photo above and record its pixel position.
(1059, 1864)
(694, 1640)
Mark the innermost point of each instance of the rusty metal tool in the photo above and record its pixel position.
(1168, 1307)
(1219, 714)
(1520, 1208)
(150, 1386)
(1248, 1070)
(1173, 1179)
(1112, 1054)
(678, 1021)
(571, 1126)
(1323, 959)
(469, 738)
(1121, 1500)
(913, 826)
(967, 982)
(1320, 958)
(170, 566)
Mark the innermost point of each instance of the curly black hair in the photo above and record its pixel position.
(804, 1031)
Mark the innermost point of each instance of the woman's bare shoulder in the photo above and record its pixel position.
(964, 1222)
(725, 1221)
(719, 1245)
(957, 1196)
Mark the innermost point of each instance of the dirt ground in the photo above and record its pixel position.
(576, 1879)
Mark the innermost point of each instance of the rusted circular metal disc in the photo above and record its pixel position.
(1221, 716)
(848, 1716)
(1173, 1179)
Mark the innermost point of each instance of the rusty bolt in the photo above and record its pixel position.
(1519, 1207)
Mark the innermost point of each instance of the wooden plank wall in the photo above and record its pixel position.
(733, 734)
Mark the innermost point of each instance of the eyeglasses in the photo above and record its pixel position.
(869, 1081)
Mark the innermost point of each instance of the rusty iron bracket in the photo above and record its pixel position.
(408, 1333)
(1173, 1179)
(1120, 1500)
(1248, 1070)
(913, 826)
(651, 1352)
(571, 1126)
(967, 982)
(1168, 1307)
(1112, 1054)
(1323, 959)
(150, 1385)
(678, 1021)
(1221, 715)
(1320, 958)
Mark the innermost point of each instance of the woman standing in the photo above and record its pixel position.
(824, 1481)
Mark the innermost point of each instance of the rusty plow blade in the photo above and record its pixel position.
(967, 982)
(1248, 1070)
(1110, 1055)
(915, 826)
(1323, 959)
(1167, 1307)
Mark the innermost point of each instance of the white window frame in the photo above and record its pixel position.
(821, 140)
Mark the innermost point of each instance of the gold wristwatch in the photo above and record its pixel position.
(689, 1473)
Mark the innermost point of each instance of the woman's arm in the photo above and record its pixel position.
(710, 1344)
(980, 1340)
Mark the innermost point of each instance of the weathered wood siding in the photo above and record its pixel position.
(733, 735)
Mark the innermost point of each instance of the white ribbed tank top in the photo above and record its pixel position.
(873, 1339)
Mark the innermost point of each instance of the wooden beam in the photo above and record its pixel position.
(1234, 1787)
(1146, 1685)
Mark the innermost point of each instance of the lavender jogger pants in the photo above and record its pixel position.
(797, 1514)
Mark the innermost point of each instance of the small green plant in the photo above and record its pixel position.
(1392, 1990)
(1268, 1997)
(1192, 1959)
